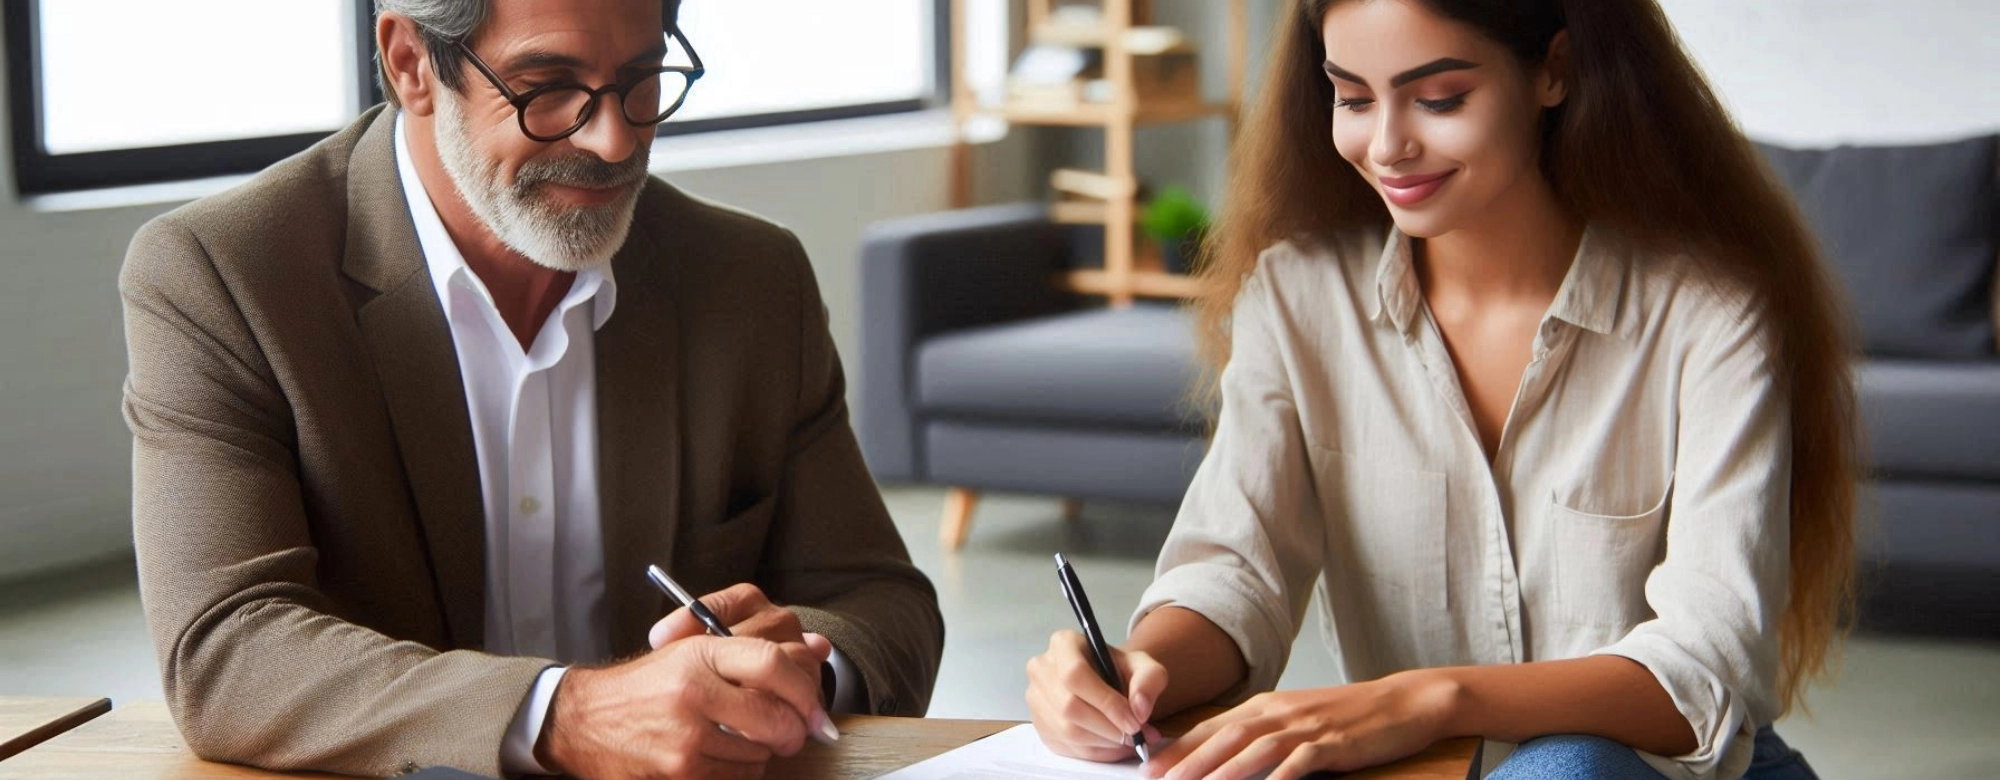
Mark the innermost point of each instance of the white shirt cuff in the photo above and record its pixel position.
(846, 694)
(517, 750)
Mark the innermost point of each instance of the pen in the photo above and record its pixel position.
(822, 728)
(1100, 655)
(674, 590)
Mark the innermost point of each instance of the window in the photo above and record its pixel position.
(809, 59)
(108, 92)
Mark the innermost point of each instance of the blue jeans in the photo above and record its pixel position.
(1567, 757)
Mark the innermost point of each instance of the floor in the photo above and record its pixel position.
(1905, 708)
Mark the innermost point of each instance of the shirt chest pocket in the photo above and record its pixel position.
(1388, 523)
(1602, 563)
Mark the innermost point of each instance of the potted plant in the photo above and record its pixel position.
(1178, 222)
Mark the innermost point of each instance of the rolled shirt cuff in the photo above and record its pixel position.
(1725, 730)
(517, 750)
(1226, 597)
(846, 693)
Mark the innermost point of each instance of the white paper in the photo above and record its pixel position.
(1017, 753)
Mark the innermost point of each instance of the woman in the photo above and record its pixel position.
(1538, 372)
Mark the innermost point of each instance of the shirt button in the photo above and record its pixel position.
(530, 506)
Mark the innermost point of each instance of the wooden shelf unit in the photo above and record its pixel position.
(1122, 279)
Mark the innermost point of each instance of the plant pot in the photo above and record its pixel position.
(1179, 257)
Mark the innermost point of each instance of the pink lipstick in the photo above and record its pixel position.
(1407, 191)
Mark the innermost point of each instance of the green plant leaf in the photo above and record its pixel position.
(1173, 215)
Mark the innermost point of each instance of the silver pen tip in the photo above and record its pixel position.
(1144, 753)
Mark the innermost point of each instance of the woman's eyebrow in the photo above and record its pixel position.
(1432, 68)
(1336, 72)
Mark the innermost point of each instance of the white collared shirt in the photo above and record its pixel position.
(534, 428)
(1637, 503)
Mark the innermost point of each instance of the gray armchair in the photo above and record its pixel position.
(979, 375)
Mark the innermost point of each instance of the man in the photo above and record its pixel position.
(414, 410)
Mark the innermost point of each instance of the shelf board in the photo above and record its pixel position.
(1092, 185)
(1141, 40)
(1099, 114)
(1072, 212)
(1178, 111)
(1147, 284)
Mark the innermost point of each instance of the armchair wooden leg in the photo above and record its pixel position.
(1072, 508)
(958, 505)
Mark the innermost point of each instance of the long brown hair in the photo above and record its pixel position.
(1641, 147)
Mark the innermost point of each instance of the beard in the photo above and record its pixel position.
(549, 233)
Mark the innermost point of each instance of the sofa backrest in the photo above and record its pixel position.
(1914, 232)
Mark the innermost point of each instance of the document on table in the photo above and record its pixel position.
(1014, 754)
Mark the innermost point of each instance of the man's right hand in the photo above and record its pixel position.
(661, 715)
(748, 612)
(1076, 714)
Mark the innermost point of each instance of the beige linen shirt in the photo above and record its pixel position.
(1636, 505)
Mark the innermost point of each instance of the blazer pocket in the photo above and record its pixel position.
(756, 512)
(736, 542)
(1390, 523)
(1602, 563)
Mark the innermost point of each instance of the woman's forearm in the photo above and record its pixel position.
(1201, 660)
(1605, 696)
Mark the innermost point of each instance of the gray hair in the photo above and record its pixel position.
(443, 23)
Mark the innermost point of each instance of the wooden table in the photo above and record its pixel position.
(139, 742)
(29, 721)
(136, 741)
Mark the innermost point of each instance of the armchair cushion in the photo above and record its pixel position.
(1932, 419)
(1124, 368)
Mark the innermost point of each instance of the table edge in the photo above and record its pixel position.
(55, 728)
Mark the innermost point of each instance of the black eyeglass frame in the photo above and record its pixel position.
(693, 72)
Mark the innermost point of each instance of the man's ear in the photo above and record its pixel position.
(1552, 82)
(405, 63)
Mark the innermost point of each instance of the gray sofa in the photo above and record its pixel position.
(978, 375)
(1914, 232)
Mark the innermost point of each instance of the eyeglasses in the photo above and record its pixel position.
(552, 112)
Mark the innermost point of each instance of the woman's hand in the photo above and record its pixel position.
(1343, 728)
(1076, 714)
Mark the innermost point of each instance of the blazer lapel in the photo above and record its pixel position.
(638, 424)
(409, 341)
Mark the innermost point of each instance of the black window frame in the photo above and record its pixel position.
(37, 172)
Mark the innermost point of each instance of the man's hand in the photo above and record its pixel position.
(700, 707)
(748, 613)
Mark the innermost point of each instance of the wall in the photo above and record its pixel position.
(65, 478)
(1821, 72)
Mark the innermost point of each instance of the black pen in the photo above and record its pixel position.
(676, 592)
(1100, 654)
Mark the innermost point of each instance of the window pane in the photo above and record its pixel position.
(787, 55)
(986, 49)
(122, 74)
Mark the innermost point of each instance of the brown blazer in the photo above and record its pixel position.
(307, 507)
